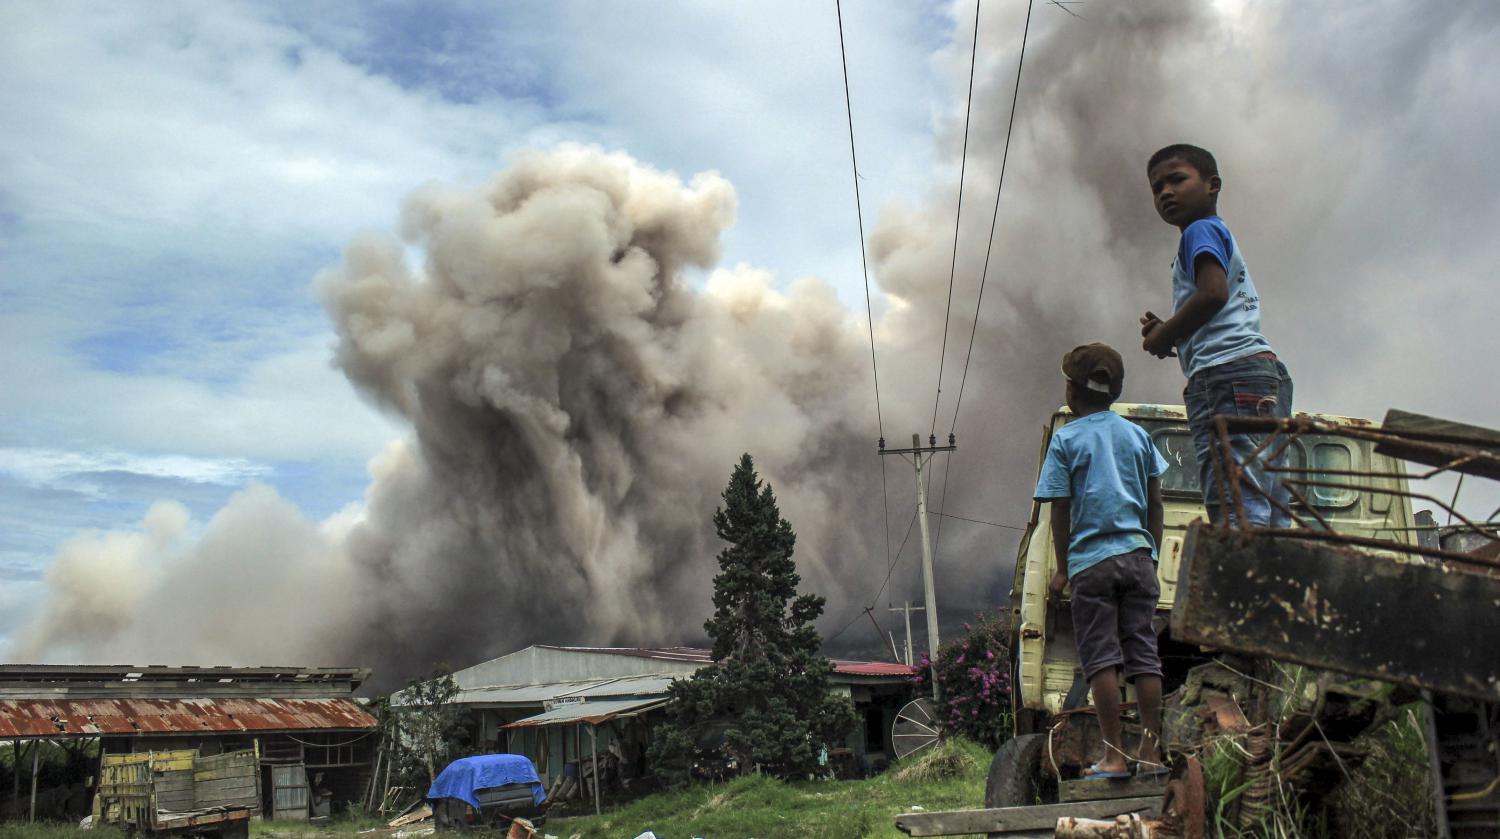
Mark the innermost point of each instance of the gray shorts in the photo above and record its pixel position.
(1113, 603)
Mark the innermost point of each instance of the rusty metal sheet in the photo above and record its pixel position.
(1482, 444)
(91, 717)
(1421, 623)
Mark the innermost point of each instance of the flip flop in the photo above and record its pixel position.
(1094, 773)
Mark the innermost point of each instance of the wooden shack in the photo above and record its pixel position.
(314, 741)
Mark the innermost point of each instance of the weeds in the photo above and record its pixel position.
(950, 759)
(947, 778)
(56, 830)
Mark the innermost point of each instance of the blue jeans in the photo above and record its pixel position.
(1258, 386)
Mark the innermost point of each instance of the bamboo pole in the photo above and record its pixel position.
(594, 758)
(36, 754)
(387, 791)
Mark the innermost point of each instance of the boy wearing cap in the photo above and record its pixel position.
(1215, 330)
(1101, 475)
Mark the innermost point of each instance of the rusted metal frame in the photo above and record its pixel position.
(1297, 427)
(1231, 468)
(1401, 494)
(1225, 451)
(1382, 544)
(1453, 451)
(1358, 473)
(1311, 508)
(1285, 508)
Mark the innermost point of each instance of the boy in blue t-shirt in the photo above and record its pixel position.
(1215, 330)
(1102, 475)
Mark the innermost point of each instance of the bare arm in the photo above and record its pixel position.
(1154, 510)
(1211, 295)
(1062, 534)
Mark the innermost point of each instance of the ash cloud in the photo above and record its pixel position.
(577, 403)
(576, 407)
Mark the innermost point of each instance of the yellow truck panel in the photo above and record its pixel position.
(1046, 658)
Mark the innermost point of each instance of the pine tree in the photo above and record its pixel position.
(768, 687)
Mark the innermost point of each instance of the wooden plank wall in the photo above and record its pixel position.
(174, 791)
(228, 780)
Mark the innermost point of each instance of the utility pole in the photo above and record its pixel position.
(906, 609)
(917, 451)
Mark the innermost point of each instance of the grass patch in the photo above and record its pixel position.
(341, 825)
(948, 778)
(56, 830)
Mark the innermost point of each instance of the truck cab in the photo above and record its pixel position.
(1045, 660)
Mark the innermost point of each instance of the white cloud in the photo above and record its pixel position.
(51, 467)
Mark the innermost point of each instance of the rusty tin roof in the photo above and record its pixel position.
(94, 717)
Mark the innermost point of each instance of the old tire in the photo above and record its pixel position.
(1016, 778)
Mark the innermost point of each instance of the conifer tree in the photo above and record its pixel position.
(768, 687)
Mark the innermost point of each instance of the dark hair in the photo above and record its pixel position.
(1198, 158)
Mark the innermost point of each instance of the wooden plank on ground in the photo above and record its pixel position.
(1095, 789)
(1014, 819)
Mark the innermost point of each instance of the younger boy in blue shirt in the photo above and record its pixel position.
(1102, 475)
(1215, 330)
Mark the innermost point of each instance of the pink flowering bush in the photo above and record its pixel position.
(974, 672)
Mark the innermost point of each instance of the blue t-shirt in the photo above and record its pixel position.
(1102, 462)
(1234, 332)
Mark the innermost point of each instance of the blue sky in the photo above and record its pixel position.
(173, 176)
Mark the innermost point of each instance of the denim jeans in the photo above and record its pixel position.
(1259, 386)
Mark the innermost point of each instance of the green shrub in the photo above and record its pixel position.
(974, 672)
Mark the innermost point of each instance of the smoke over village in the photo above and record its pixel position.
(582, 419)
(579, 369)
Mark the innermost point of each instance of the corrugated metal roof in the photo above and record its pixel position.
(590, 712)
(92, 717)
(627, 686)
(694, 655)
(536, 694)
(698, 655)
(872, 668)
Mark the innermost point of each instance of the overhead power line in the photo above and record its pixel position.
(989, 249)
(864, 265)
(1015, 95)
(957, 217)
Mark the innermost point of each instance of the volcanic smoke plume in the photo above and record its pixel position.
(577, 398)
(577, 408)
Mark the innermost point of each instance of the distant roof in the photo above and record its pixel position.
(73, 681)
(589, 689)
(593, 713)
(93, 717)
(698, 655)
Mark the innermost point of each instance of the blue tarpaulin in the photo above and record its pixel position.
(465, 775)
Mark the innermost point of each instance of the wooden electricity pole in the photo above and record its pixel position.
(906, 610)
(917, 452)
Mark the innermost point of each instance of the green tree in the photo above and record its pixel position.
(429, 719)
(768, 687)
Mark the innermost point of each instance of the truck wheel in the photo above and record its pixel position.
(1016, 774)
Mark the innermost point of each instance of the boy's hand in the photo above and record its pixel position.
(1148, 321)
(1156, 340)
(1056, 584)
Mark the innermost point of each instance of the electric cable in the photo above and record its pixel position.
(957, 217)
(864, 265)
(983, 274)
(881, 590)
